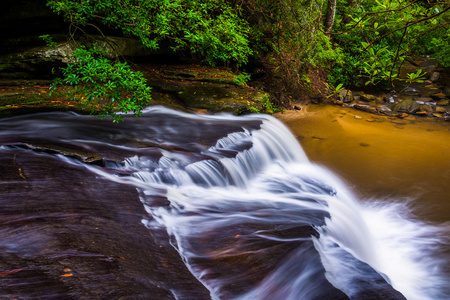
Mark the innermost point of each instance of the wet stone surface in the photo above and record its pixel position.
(67, 234)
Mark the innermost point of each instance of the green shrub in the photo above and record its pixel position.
(103, 86)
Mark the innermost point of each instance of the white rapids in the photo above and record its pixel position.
(257, 184)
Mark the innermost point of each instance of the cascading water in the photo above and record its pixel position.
(252, 218)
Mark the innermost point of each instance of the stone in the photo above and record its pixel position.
(424, 110)
(384, 109)
(365, 108)
(443, 102)
(422, 113)
(435, 76)
(408, 106)
(346, 96)
(368, 97)
(438, 96)
(440, 109)
(382, 99)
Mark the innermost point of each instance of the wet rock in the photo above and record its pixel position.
(435, 76)
(69, 220)
(368, 97)
(382, 99)
(422, 113)
(440, 109)
(346, 96)
(201, 87)
(217, 98)
(438, 96)
(365, 108)
(443, 102)
(424, 110)
(384, 109)
(409, 106)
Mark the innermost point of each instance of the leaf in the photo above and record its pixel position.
(6, 273)
(67, 275)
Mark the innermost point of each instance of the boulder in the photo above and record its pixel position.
(440, 109)
(435, 76)
(367, 97)
(443, 102)
(425, 108)
(408, 106)
(346, 96)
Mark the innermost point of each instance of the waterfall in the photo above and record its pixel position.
(249, 214)
(261, 179)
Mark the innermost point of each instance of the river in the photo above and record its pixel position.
(179, 206)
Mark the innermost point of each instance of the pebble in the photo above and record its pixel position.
(358, 117)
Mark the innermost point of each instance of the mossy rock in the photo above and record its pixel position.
(409, 106)
(217, 98)
(367, 97)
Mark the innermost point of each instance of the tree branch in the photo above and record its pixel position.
(406, 26)
(374, 13)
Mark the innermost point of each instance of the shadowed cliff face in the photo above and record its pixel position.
(23, 21)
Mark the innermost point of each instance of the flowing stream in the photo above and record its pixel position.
(248, 214)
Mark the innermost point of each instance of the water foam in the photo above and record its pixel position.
(262, 178)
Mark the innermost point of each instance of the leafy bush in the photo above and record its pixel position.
(103, 86)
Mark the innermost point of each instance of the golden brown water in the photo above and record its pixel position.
(378, 156)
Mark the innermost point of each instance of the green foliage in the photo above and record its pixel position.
(379, 64)
(241, 79)
(418, 77)
(288, 36)
(254, 110)
(335, 90)
(102, 85)
(209, 28)
(269, 107)
(48, 40)
(377, 36)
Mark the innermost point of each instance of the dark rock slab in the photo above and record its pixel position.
(66, 234)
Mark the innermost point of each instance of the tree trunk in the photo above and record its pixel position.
(329, 18)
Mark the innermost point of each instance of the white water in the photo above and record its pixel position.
(223, 210)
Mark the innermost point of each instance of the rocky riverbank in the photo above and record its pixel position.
(430, 98)
(183, 87)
